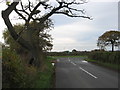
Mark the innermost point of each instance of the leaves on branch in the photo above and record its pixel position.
(109, 38)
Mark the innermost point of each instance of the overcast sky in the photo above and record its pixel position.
(79, 33)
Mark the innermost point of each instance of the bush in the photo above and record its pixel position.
(104, 56)
(12, 69)
(14, 73)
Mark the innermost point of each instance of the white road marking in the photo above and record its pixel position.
(73, 63)
(53, 64)
(82, 68)
(58, 60)
(88, 72)
(68, 59)
(84, 61)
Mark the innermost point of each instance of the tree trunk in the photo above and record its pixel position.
(15, 36)
(38, 57)
(112, 47)
(29, 44)
(36, 50)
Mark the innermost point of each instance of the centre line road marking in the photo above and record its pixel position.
(88, 72)
(73, 63)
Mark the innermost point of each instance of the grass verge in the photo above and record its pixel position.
(68, 56)
(115, 67)
(45, 78)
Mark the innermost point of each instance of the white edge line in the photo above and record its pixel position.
(88, 72)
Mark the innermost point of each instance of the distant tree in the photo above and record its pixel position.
(109, 38)
(38, 11)
(74, 50)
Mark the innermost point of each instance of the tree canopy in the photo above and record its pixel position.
(39, 12)
(44, 37)
(109, 38)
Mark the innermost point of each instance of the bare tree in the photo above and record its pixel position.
(34, 12)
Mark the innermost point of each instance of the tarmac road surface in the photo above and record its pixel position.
(74, 72)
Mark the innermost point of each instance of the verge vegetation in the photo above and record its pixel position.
(18, 75)
(104, 58)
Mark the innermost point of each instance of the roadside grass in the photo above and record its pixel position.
(49, 58)
(107, 65)
(45, 77)
(68, 56)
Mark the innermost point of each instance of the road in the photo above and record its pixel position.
(74, 72)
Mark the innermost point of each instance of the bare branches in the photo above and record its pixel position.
(32, 12)
(16, 37)
(27, 12)
(77, 10)
(72, 15)
(20, 14)
(23, 10)
(66, 8)
(71, 2)
(10, 8)
(29, 6)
